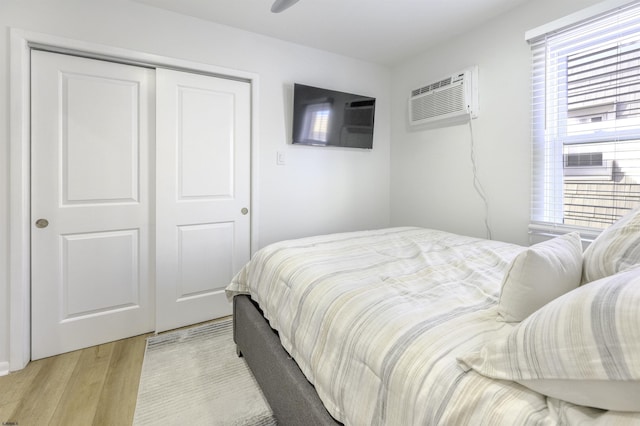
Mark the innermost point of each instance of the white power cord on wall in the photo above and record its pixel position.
(476, 182)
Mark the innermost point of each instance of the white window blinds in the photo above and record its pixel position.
(586, 122)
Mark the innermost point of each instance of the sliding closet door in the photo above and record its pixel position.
(203, 187)
(92, 127)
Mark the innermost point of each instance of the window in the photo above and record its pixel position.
(316, 122)
(586, 121)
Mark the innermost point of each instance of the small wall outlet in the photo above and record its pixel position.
(281, 159)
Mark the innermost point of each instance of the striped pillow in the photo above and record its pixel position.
(583, 347)
(616, 249)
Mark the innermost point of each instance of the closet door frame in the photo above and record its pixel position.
(19, 273)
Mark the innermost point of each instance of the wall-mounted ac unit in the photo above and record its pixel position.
(587, 166)
(446, 101)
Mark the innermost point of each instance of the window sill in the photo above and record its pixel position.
(539, 232)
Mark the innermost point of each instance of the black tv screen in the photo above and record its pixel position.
(330, 118)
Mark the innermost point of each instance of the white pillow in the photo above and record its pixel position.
(616, 249)
(538, 275)
(583, 347)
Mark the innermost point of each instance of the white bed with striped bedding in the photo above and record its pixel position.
(377, 321)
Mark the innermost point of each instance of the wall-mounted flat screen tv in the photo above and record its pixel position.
(325, 117)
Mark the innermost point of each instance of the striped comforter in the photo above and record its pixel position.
(376, 320)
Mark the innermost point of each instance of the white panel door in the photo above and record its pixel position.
(92, 122)
(203, 194)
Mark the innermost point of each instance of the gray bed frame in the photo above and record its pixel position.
(292, 398)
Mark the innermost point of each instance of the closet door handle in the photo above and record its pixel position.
(42, 223)
(244, 211)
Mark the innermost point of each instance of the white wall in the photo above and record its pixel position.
(319, 190)
(431, 178)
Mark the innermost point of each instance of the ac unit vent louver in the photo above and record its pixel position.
(432, 86)
(445, 101)
(584, 159)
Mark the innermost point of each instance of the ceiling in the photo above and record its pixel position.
(379, 31)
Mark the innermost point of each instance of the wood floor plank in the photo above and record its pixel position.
(43, 393)
(7, 410)
(117, 402)
(14, 385)
(79, 402)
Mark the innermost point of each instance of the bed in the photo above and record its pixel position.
(413, 326)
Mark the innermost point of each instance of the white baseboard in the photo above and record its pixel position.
(4, 368)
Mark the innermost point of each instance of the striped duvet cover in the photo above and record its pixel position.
(376, 320)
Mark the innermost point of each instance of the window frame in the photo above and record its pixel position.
(549, 137)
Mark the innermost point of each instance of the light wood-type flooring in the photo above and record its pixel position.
(93, 386)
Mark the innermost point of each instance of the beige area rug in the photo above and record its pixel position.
(194, 377)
